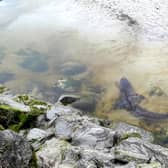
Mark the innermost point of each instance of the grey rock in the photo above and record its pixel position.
(83, 132)
(41, 121)
(51, 153)
(8, 100)
(56, 110)
(85, 142)
(58, 153)
(15, 152)
(129, 130)
(36, 134)
(142, 152)
(151, 165)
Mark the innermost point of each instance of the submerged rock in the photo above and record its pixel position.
(156, 91)
(68, 99)
(15, 152)
(6, 76)
(69, 85)
(73, 68)
(86, 103)
(33, 60)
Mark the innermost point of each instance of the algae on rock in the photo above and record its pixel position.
(17, 119)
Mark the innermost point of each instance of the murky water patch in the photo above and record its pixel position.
(33, 60)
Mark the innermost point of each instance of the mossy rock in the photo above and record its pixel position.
(27, 100)
(15, 119)
(33, 103)
(150, 165)
(129, 135)
(33, 162)
(3, 89)
(1, 128)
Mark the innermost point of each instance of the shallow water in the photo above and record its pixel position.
(51, 47)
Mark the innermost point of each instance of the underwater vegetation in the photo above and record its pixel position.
(6, 76)
(161, 137)
(33, 60)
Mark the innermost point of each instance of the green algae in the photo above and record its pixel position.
(150, 165)
(15, 119)
(27, 100)
(129, 135)
(2, 89)
(33, 161)
(34, 104)
(1, 128)
(161, 137)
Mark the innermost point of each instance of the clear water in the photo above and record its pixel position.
(51, 47)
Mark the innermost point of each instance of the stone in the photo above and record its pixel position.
(69, 85)
(15, 152)
(126, 130)
(83, 131)
(8, 100)
(151, 165)
(51, 153)
(59, 153)
(56, 110)
(72, 68)
(135, 149)
(68, 99)
(36, 134)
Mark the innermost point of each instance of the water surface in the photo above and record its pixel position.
(51, 47)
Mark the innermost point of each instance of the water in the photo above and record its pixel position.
(51, 47)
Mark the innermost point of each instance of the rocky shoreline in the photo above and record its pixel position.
(39, 134)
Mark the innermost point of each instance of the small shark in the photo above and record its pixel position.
(130, 100)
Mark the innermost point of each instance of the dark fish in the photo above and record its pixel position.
(130, 100)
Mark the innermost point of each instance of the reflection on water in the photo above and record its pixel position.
(45, 54)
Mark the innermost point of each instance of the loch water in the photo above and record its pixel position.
(54, 47)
